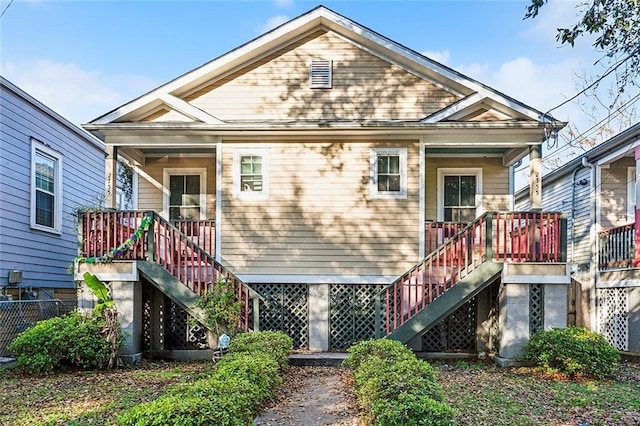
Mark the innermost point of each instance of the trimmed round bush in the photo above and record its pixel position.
(274, 343)
(572, 350)
(379, 348)
(62, 343)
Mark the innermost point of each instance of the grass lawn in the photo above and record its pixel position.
(482, 393)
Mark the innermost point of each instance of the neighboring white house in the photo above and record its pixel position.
(49, 168)
(599, 191)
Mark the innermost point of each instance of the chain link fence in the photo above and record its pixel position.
(18, 315)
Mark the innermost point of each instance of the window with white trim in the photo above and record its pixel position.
(46, 188)
(388, 173)
(459, 194)
(251, 173)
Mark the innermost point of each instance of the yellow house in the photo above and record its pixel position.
(316, 165)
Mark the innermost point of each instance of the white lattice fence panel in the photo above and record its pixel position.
(613, 316)
(536, 308)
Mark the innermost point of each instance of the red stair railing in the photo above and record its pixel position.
(500, 237)
(165, 245)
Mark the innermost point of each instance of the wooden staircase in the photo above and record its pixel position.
(463, 266)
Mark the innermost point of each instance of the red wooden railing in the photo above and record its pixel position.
(617, 247)
(201, 232)
(500, 237)
(437, 233)
(163, 244)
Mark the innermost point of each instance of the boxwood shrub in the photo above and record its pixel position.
(62, 343)
(230, 396)
(574, 351)
(396, 388)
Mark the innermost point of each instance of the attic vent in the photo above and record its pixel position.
(320, 74)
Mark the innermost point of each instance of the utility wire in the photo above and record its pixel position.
(5, 9)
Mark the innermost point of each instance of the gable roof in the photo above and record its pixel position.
(474, 97)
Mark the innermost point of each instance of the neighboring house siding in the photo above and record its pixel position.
(42, 257)
(150, 181)
(277, 87)
(614, 193)
(495, 182)
(319, 217)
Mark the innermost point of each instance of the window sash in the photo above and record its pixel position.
(251, 173)
(45, 189)
(184, 197)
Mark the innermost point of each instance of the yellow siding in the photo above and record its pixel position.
(495, 182)
(151, 180)
(364, 87)
(319, 218)
(614, 193)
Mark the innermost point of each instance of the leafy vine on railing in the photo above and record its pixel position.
(120, 250)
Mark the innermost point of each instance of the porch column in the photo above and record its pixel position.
(636, 227)
(111, 176)
(535, 177)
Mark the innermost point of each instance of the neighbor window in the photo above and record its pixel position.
(46, 188)
(251, 173)
(388, 173)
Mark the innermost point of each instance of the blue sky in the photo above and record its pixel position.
(85, 58)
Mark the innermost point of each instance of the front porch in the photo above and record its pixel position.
(449, 302)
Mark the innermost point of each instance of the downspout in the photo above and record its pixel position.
(573, 210)
(593, 241)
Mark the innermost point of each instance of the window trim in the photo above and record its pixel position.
(172, 171)
(373, 173)
(255, 195)
(38, 147)
(457, 171)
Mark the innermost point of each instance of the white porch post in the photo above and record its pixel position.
(535, 177)
(636, 231)
(111, 176)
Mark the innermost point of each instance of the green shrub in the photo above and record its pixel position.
(394, 387)
(572, 350)
(274, 343)
(378, 379)
(409, 409)
(61, 343)
(231, 396)
(379, 348)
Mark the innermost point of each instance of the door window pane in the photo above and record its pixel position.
(184, 197)
(459, 198)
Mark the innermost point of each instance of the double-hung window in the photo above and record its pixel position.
(251, 173)
(388, 175)
(46, 188)
(186, 196)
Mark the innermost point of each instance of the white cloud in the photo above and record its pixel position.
(76, 94)
(273, 22)
(442, 57)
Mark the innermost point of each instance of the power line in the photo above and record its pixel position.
(5, 9)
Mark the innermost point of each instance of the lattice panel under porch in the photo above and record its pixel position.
(536, 308)
(352, 316)
(613, 316)
(286, 309)
(455, 333)
(179, 333)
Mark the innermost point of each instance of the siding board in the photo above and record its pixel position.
(319, 218)
(42, 257)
